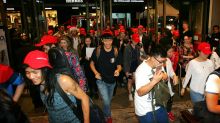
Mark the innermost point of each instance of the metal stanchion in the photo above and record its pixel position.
(180, 79)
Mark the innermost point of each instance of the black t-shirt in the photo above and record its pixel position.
(134, 60)
(187, 33)
(215, 40)
(106, 64)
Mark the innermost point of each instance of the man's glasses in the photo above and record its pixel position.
(160, 62)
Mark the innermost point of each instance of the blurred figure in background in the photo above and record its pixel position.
(10, 80)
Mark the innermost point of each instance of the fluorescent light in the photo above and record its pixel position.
(48, 8)
(10, 9)
(75, 7)
(95, 7)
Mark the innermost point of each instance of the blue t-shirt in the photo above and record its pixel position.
(16, 79)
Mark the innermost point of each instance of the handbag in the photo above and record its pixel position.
(96, 114)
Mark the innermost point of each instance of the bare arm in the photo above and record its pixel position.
(70, 86)
(118, 70)
(97, 74)
(18, 92)
(212, 102)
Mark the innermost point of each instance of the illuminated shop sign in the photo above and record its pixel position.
(128, 0)
(74, 1)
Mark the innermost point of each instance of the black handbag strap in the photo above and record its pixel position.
(67, 100)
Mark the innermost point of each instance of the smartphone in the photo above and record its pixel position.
(158, 68)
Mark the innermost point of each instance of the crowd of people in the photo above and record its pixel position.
(101, 62)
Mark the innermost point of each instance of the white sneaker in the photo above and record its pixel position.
(130, 97)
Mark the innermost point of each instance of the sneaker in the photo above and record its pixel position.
(171, 116)
(109, 120)
(130, 97)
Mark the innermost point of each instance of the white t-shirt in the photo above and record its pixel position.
(215, 59)
(170, 73)
(213, 84)
(143, 104)
(198, 72)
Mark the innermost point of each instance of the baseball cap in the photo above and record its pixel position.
(47, 39)
(121, 27)
(92, 31)
(135, 37)
(122, 30)
(140, 27)
(176, 33)
(134, 30)
(107, 34)
(205, 48)
(5, 73)
(37, 59)
(50, 32)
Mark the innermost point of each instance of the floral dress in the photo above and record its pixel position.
(77, 70)
(185, 51)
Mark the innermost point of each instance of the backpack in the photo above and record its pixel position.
(201, 110)
(160, 94)
(98, 50)
(60, 64)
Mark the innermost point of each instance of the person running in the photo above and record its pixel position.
(38, 69)
(106, 65)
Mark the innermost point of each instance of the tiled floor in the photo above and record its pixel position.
(122, 109)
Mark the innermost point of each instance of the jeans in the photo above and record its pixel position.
(196, 97)
(106, 90)
(160, 115)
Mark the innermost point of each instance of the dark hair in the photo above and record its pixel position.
(88, 36)
(158, 50)
(167, 47)
(107, 36)
(49, 82)
(216, 26)
(10, 112)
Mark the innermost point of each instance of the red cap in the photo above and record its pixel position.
(176, 33)
(92, 31)
(82, 31)
(140, 26)
(5, 73)
(47, 39)
(116, 32)
(107, 31)
(205, 48)
(107, 34)
(134, 30)
(68, 27)
(50, 32)
(122, 30)
(121, 27)
(135, 37)
(37, 59)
